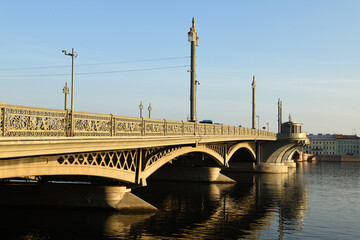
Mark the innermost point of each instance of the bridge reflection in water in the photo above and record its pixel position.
(187, 210)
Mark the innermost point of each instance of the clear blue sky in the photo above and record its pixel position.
(304, 52)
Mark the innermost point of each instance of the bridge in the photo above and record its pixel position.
(58, 145)
(117, 153)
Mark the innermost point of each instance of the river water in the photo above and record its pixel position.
(315, 201)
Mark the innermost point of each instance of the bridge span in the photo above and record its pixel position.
(37, 143)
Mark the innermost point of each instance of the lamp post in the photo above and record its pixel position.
(73, 55)
(258, 117)
(267, 124)
(279, 115)
(253, 86)
(150, 109)
(194, 39)
(66, 92)
(141, 109)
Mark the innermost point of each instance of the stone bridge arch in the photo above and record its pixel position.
(279, 154)
(288, 156)
(297, 155)
(250, 147)
(277, 158)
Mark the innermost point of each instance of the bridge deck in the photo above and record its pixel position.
(21, 147)
(29, 131)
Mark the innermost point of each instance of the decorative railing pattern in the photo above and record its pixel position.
(18, 121)
(90, 124)
(127, 126)
(153, 127)
(1, 122)
(174, 128)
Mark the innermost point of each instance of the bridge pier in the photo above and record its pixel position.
(193, 174)
(271, 168)
(278, 157)
(117, 198)
(290, 164)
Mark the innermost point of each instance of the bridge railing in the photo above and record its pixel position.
(19, 121)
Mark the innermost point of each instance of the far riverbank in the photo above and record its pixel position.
(327, 158)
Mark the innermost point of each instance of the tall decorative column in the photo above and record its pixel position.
(253, 85)
(194, 39)
(279, 115)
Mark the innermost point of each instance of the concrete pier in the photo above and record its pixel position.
(73, 195)
(193, 174)
(290, 164)
(272, 168)
(240, 167)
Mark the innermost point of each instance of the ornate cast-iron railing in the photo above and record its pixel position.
(19, 121)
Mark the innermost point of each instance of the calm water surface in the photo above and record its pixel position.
(316, 201)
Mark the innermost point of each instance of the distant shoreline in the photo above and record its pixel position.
(327, 158)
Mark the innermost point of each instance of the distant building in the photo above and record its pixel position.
(333, 144)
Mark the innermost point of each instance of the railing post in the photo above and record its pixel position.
(182, 128)
(67, 123)
(3, 122)
(72, 123)
(165, 127)
(143, 127)
(112, 125)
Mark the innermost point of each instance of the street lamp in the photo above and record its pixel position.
(258, 117)
(73, 56)
(66, 92)
(141, 109)
(194, 39)
(150, 109)
(253, 86)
